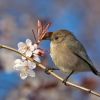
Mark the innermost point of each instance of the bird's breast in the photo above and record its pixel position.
(63, 57)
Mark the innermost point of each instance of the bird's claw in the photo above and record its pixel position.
(47, 70)
(64, 81)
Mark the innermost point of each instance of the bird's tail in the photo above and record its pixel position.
(95, 71)
(98, 73)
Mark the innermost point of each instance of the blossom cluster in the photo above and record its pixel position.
(24, 66)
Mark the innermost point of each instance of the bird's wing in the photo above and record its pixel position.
(78, 49)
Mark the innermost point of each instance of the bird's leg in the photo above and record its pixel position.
(65, 80)
(50, 69)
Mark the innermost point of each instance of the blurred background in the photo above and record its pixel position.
(19, 17)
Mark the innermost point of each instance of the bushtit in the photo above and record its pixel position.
(68, 54)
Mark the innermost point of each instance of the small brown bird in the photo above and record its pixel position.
(68, 54)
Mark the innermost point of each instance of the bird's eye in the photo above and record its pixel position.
(56, 38)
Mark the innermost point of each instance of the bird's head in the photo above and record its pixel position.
(57, 37)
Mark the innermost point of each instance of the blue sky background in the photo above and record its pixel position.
(82, 17)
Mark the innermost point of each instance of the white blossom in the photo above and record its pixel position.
(29, 50)
(26, 48)
(25, 68)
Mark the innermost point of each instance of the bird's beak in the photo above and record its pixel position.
(47, 36)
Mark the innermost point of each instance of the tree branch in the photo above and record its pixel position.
(52, 73)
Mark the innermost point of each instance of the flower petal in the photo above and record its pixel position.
(23, 75)
(18, 64)
(31, 73)
(22, 50)
(25, 63)
(31, 65)
(28, 53)
(17, 67)
(21, 44)
(28, 42)
(32, 48)
(17, 61)
(36, 57)
(23, 58)
(35, 46)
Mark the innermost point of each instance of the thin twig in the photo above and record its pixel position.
(52, 73)
(34, 36)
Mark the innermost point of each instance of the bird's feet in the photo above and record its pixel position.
(65, 80)
(47, 70)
